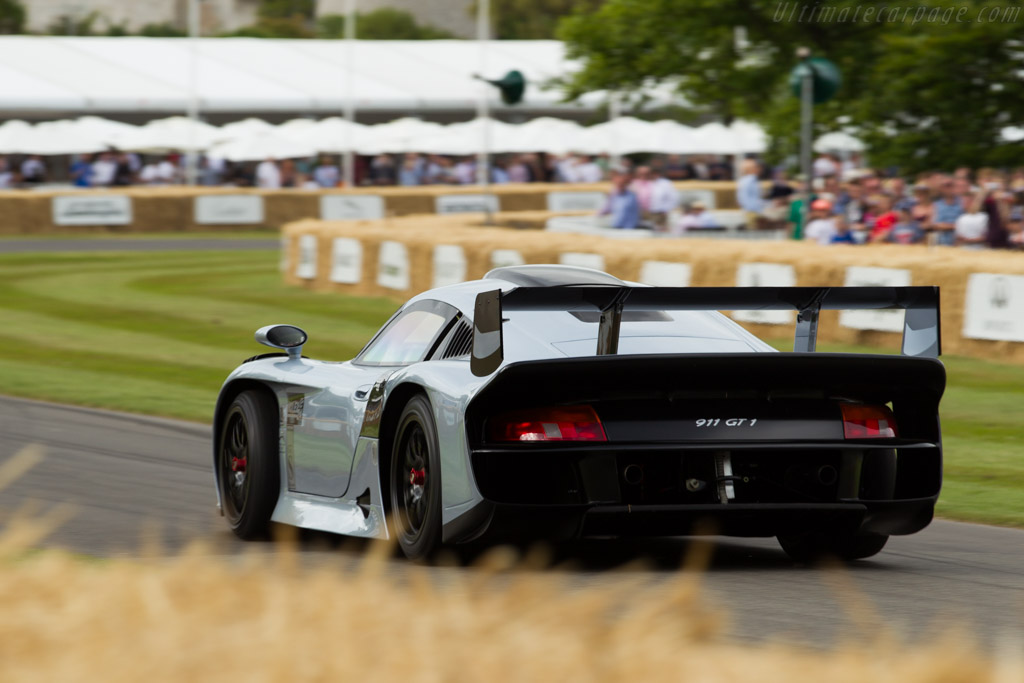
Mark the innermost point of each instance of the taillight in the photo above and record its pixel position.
(868, 422)
(559, 423)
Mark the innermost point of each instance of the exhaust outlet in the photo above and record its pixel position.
(827, 475)
(633, 475)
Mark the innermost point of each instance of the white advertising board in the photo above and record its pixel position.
(346, 261)
(665, 274)
(229, 209)
(501, 258)
(305, 267)
(705, 196)
(576, 201)
(449, 265)
(765, 275)
(283, 263)
(466, 203)
(582, 259)
(351, 207)
(393, 265)
(92, 209)
(869, 276)
(994, 307)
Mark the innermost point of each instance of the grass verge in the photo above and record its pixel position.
(157, 333)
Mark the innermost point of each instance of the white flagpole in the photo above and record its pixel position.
(483, 34)
(191, 155)
(350, 99)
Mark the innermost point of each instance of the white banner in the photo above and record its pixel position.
(351, 207)
(705, 196)
(581, 259)
(305, 267)
(229, 209)
(92, 209)
(665, 274)
(466, 203)
(449, 265)
(994, 307)
(393, 265)
(283, 263)
(883, 320)
(346, 261)
(501, 258)
(576, 201)
(765, 275)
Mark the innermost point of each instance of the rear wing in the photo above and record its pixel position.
(921, 332)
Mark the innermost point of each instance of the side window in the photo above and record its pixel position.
(409, 337)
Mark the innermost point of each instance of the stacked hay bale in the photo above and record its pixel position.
(170, 209)
(670, 262)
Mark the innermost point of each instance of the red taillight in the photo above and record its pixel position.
(562, 423)
(868, 422)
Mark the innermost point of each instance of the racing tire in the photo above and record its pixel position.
(415, 486)
(247, 463)
(843, 546)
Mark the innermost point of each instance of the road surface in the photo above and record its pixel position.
(126, 475)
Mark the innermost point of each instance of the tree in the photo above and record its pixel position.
(923, 89)
(943, 94)
(12, 17)
(287, 9)
(533, 19)
(70, 25)
(164, 30)
(382, 24)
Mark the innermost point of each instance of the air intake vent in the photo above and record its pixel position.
(460, 341)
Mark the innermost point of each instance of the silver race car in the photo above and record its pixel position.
(557, 402)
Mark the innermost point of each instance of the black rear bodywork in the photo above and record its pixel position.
(775, 417)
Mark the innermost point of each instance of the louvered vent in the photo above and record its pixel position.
(460, 343)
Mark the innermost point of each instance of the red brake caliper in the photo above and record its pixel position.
(238, 464)
(418, 477)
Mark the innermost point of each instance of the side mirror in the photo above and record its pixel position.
(285, 337)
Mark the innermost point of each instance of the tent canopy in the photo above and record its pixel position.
(74, 75)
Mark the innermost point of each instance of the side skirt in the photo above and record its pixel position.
(359, 515)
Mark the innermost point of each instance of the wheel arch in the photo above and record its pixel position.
(228, 393)
(396, 401)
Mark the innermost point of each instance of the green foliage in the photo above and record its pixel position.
(291, 27)
(287, 9)
(923, 93)
(165, 30)
(533, 19)
(73, 25)
(381, 24)
(12, 17)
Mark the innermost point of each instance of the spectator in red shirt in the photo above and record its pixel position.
(886, 219)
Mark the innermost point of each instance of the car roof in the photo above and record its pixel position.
(547, 334)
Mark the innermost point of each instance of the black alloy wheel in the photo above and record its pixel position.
(416, 481)
(247, 463)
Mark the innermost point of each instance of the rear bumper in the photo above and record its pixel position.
(564, 522)
(777, 489)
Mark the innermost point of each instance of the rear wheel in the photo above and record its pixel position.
(247, 463)
(839, 545)
(416, 481)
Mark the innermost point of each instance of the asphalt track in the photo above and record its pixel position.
(127, 475)
(19, 246)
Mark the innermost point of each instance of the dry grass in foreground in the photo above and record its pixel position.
(201, 618)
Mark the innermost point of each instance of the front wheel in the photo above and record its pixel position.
(416, 481)
(247, 463)
(839, 545)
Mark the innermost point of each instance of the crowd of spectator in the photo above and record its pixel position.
(117, 169)
(966, 208)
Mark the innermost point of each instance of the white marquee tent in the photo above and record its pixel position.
(252, 138)
(68, 76)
